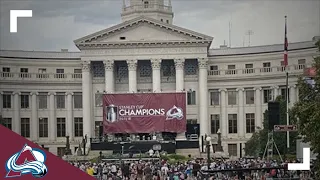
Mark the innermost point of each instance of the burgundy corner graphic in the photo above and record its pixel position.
(13, 143)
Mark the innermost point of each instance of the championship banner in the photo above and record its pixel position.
(144, 113)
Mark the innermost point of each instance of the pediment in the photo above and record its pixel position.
(143, 29)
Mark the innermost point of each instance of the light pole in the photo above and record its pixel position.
(208, 139)
(219, 146)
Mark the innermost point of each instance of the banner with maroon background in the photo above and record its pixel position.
(144, 113)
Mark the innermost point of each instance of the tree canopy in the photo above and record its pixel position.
(306, 112)
(280, 138)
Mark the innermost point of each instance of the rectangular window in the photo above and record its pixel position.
(215, 98)
(249, 96)
(232, 120)
(61, 100)
(59, 71)
(42, 70)
(43, 100)
(7, 122)
(6, 69)
(61, 127)
(98, 99)
(6, 101)
(77, 71)
(77, 99)
(249, 69)
(215, 123)
(25, 127)
(266, 67)
(283, 94)
(24, 70)
(192, 121)
(78, 127)
(191, 97)
(301, 64)
(267, 95)
(24, 100)
(214, 70)
(6, 72)
(97, 128)
(232, 97)
(43, 127)
(233, 150)
(250, 123)
(231, 69)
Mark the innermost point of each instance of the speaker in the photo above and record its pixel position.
(273, 114)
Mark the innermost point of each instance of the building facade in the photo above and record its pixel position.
(46, 96)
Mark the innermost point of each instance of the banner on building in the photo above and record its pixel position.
(144, 113)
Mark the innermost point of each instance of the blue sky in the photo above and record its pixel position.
(56, 23)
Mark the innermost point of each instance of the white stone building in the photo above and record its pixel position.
(48, 95)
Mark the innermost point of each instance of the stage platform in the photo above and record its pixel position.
(143, 146)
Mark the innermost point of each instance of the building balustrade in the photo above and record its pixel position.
(256, 71)
(147, 7)
(44, 77)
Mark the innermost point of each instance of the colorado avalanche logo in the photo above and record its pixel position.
(27, 161)
(175, 113)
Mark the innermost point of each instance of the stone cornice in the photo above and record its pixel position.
(99, 45)
(139, 20)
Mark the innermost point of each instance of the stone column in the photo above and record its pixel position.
(52, 117)
(258, 107)
(16, 124)
(241, 120)
(223, 113)
(109, 76)
(203, 96)
(34, 117)
(293, 95)
(86, 100)
(179, 63)
(132, 72)
(156, 77)
(70, 121)
(275, 92)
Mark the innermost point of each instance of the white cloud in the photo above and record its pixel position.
(56, 24)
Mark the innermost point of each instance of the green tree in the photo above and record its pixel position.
(257, 143)
(306, 112)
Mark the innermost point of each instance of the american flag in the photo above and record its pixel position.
(285, 57)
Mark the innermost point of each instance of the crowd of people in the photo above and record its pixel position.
(191, 170)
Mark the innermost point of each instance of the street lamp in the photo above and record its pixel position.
(219, 146)
(208, 139)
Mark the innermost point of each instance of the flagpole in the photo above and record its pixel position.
(287, 83)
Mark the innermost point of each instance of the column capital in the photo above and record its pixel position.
(108, 64)
(85, 65)
(275, 87)
(155, 63)
(240, 89)
(203, 63)
(132, 64)
(52, 93)
(224, 90)
(69, 93)
(34, 93)
(179, 63)
(257, 88)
